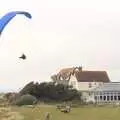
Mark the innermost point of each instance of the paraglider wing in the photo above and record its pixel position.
(7, 17)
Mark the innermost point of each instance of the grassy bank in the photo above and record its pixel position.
(86, 113)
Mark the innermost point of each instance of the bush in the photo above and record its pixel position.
(26, 100)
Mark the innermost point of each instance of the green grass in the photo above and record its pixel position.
(86, 113)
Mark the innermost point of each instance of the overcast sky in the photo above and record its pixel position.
(61, 33)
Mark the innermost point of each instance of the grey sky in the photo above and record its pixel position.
(63, 33)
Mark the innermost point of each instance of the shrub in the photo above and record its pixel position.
(26, 100)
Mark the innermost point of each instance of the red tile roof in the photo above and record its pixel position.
(85, 76)
(92, 76)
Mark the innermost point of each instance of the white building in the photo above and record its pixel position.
(107, 93)
(82, 80)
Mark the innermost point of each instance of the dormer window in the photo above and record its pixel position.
(90, 85)
(100, 83)
(94, 82)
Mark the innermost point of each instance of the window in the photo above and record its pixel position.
(100, 83)
(100, 97)
(73, 83)
(104, 97)
(95, 97)
(115, 97)
(94, 82)
(89, 93)
(111, 97)
(90, 85)
(118, 97)
(107, 97)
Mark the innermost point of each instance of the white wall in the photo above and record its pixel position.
(83, 86)
(73, 81)
(87, 97)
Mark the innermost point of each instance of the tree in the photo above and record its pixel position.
(26, 100)
(51, 91)
(28, 89)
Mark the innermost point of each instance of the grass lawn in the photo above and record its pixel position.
(87, 113)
